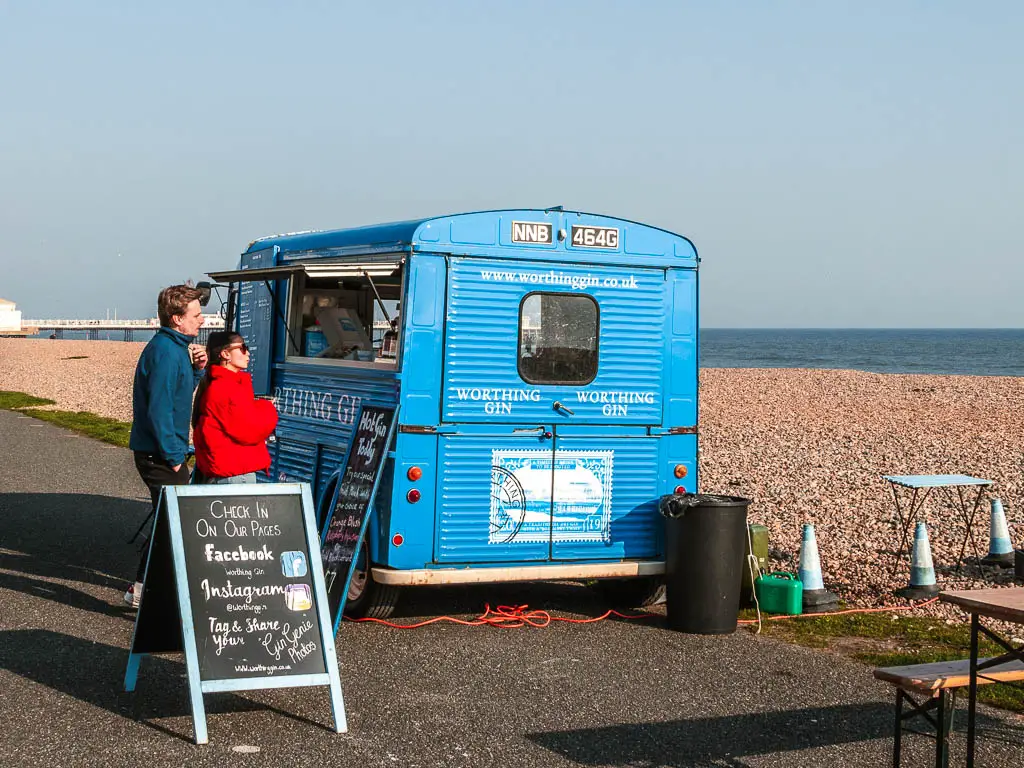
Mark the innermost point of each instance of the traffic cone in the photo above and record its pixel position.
(816, 598)
(922, 572)
(1000, 550)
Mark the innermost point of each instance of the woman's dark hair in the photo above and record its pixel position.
(217, 342)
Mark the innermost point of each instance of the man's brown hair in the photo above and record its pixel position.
(174, 300)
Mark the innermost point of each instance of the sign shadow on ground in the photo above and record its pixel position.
(57, 593)
(30, 565)
(77, 536)
(92, 673)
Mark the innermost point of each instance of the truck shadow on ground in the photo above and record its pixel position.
(569, 599)
(56, 661)
(722, 741)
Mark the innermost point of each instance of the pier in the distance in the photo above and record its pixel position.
(93, 328)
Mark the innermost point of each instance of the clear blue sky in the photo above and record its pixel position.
(836, 164)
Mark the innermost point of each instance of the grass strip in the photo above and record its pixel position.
(892, 640)
(12, 400)
(89, 424)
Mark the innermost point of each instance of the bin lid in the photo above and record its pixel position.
(677, 504)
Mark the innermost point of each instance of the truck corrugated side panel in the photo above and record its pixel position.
(634, 524)
(482, 343)
(317, 409)
(296, 461)
(331, 457)
(466, 499)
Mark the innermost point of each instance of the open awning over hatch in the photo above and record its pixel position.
(314, 271)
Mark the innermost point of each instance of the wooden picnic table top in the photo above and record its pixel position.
(1005, 604)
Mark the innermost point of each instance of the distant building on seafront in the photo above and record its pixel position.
(10, 317)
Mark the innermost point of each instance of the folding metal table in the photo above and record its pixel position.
(923, 485)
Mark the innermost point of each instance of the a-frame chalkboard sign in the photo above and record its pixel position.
(353, 500)
(235, 581)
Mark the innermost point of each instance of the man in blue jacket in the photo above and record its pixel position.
(165, 380)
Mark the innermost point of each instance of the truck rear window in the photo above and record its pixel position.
(558, 335)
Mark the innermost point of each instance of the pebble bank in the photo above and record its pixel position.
(805, 445)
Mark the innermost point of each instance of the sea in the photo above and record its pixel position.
(973, 352)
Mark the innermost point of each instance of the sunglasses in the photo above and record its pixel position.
(243, 346)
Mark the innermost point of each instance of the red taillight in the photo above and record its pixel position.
(397, 539)
(413, 495)
(414, 473)
(680, 489)
(680, 471)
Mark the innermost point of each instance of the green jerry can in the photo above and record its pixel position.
(759, 538)
(780, 592)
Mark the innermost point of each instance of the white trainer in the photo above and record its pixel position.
(134, 595)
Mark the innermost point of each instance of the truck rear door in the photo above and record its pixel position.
(552, 379)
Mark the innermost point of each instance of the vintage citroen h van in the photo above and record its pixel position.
(544, 367)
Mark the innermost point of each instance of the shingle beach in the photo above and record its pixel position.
(805, 445)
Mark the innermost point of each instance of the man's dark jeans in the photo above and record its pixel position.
(156, 473)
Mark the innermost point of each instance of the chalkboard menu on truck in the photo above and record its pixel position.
(256, 319)
(237, 568)
(353, 500)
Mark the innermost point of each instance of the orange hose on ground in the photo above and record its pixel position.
(512, 617)
(506, 617)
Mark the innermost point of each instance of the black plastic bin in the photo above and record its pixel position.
(705, 536)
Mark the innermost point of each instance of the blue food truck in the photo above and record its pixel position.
(544, 368)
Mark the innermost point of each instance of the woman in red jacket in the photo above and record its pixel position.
(230, 426)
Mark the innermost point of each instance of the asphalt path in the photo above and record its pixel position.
(612, 693)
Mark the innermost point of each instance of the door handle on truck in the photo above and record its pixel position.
(557, 406)
(539, 431)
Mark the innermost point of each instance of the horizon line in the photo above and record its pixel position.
(858, 328)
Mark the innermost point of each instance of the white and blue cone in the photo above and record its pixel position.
(1000, 550)
(817, 599)
(922, 572)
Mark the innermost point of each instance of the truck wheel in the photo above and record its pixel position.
(631, 593)
(366, 597)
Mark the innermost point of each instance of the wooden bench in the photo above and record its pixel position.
(933, 681)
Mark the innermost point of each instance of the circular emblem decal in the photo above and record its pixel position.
(508, 505)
